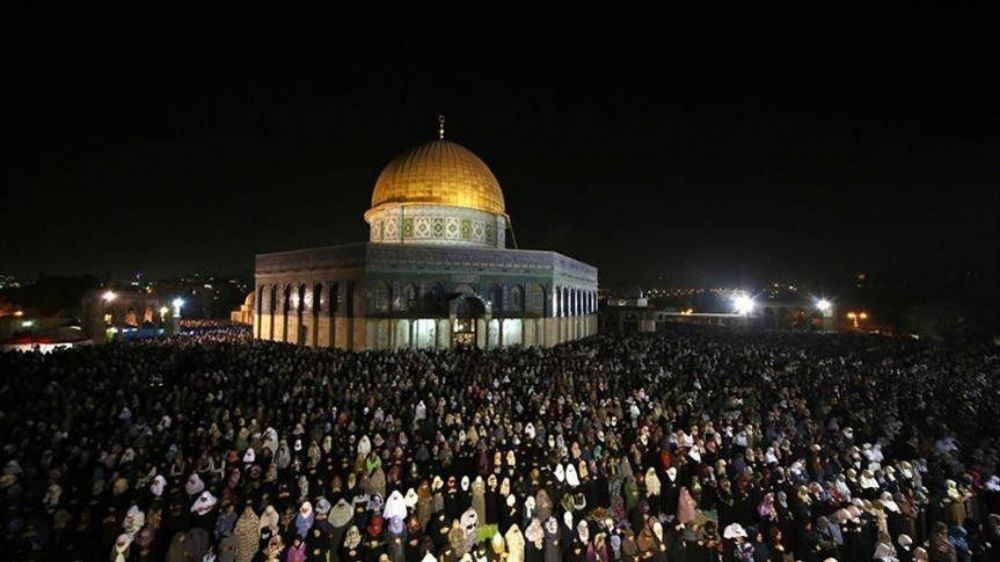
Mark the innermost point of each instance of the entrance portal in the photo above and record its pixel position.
(463, 332)
(463, 329)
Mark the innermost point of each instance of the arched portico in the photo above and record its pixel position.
(468, 315)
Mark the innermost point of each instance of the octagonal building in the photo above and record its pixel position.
(435, 272)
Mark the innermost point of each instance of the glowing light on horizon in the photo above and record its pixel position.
(743, 303)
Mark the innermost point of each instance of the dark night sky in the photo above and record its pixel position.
(715, 147)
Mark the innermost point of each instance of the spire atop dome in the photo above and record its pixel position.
(440, 127)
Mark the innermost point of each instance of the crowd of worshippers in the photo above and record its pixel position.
(694, 445)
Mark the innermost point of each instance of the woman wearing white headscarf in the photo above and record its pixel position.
(123, 551)
(534, 541)
(515, 544)
(572, 479)
(652, 482)
(553, 540)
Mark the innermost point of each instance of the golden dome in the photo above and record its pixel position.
(439, 172)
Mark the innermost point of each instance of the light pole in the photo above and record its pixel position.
(857, 318)
(110, 329)
(175, 319)
(163, 319)
(825, 308)
(743, 304)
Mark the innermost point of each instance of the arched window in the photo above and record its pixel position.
(516, 298)
(381, 297)
(496, 298)
(432, 298)
(409, 297)
(538, 298)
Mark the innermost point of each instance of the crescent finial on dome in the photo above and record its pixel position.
(440, 127)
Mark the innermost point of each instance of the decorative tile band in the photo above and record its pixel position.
(435, 224)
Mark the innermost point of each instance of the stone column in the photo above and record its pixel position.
(574, 312)
(257, 307)
(323, 302)
(443, 334)
(294, 316)
(266, 319)
(272, 312)
(482, 331)
(309, 314)
(339, 317)
(357, 315)
(346, 321)
(280, 316)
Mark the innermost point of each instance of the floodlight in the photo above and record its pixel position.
(743, 304)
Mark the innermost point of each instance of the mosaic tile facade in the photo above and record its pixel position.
(434, 224)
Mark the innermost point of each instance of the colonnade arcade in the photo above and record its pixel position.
(315, 314)
(392, 314)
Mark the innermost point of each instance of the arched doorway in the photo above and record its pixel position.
(468, 311)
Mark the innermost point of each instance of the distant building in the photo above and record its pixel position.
(9, 282)
(118, 314)
(434, 274)
(244, 314)
(773, 311)
(27, 332)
